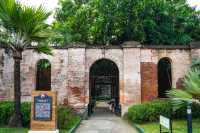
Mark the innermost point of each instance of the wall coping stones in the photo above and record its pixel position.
(168, 47)
(128, 44)
(195, 45)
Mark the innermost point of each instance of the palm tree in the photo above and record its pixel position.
(22, 26)
(191, 91)
(190, 94)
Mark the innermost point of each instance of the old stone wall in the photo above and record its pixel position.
(2, 90)
(180, 60)
(115, 55)
(76, 77)
(149, 81)
(6, 75)
(195, 53)
(70, 69)
(59, 62)
(132, 79)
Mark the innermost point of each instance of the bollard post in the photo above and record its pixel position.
(189, 117)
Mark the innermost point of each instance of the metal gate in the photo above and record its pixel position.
(104, 84)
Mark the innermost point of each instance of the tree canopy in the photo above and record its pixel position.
(168, 22)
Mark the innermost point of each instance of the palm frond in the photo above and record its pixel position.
(179, 98)
(44, 48)
(192, 83)
(190, 93)
(23, 24)
(196, 64)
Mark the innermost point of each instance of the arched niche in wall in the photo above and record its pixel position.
(164, 76)
(43, 75)
(104, 83)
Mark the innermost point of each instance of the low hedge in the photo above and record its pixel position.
(66, 117)
(150, 111)
(7, 109)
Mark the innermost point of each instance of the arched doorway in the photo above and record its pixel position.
(104, 84)
(164, 77)
(43, 76)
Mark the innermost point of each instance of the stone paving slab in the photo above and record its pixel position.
(103, 121)
(105, 125)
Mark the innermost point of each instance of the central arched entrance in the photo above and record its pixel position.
(104, 85)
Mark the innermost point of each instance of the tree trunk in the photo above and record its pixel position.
(16, 119)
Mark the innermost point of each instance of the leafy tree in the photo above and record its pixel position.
(147, 21)
(22, 26)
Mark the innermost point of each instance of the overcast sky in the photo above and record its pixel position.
(52, 4)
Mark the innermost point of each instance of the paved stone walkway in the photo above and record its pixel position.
(103, 121)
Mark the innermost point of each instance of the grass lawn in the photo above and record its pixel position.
(179, 126)
(20, 130)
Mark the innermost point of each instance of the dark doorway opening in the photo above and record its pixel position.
(164, 77)
(43, 77)
(104, 86)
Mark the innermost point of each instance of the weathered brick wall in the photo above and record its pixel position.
(6, 75)
(132, 79)
(115, 55)
(2, 95)
(76, 78)
(180, 60)
(149, 87)
(70, 72)
(195, 53)
(58, 72)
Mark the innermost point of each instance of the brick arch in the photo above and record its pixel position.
(102, 77)
(91, 58)
(165, 83)
(43, 75)
(34, 67)
(41, 58)
(98, 59)
(172, 60)
(167, 58)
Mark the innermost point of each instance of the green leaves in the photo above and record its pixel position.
(179, 98)
(44, 48)
(24, 25)
(192, 83)
(191, 92)
(44, 64)
(116, 21)
(196, 65)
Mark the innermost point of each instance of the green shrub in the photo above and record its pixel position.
(150, 111)
(6, 110)
(26, 113)
(66, 117)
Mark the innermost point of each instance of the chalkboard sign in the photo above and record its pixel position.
(43, 108)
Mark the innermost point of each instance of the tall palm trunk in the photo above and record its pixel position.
(16, 119)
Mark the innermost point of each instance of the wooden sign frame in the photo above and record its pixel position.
(47, 125)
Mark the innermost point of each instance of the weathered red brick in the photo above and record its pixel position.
(148, 81)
